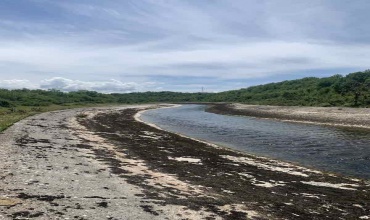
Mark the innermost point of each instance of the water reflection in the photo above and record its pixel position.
(345, 151)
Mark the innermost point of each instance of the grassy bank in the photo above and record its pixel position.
(9, 116)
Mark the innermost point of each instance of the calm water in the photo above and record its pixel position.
(331, 149)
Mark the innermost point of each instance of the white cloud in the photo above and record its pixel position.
(248, 60)
(16, 84)
(67, 85)
(111, 86)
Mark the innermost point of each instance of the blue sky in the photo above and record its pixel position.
(178, 45)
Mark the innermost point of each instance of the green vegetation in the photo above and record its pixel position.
(350, 90)
(9, 116)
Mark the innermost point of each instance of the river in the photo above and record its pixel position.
(329, 149)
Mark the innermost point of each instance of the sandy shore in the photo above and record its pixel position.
(101, 163)
(332, 116)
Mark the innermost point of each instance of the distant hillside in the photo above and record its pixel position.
(350, 90)
(26, 97)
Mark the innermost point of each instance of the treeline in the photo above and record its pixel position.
(350, 90)
(26, 97)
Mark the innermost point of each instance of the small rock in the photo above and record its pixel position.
(103, 204)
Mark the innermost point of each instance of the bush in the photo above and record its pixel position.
(4, 103)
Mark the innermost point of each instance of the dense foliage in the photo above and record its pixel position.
(350, 90)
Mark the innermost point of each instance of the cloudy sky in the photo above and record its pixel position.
(178, 45)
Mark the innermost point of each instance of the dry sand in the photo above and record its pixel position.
(44, 174)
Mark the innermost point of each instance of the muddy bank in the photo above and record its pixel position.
(332, 116)
(104, 164)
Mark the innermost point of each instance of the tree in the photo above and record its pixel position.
(356, 83)
(5, 103)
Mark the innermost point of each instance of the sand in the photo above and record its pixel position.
(331, 116)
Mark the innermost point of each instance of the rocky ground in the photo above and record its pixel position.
(102, 163)
(332, 116)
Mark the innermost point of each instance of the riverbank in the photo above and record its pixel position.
(10, 115)
(331, 116)
(101, 163)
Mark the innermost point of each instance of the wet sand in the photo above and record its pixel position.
(331, 116)
(102, 163)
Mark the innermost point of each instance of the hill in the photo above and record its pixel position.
(350, 90)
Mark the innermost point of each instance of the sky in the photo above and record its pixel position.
(178, 45)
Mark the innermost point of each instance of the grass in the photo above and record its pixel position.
(9, 116)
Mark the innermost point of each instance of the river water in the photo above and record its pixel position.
(326, 148)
